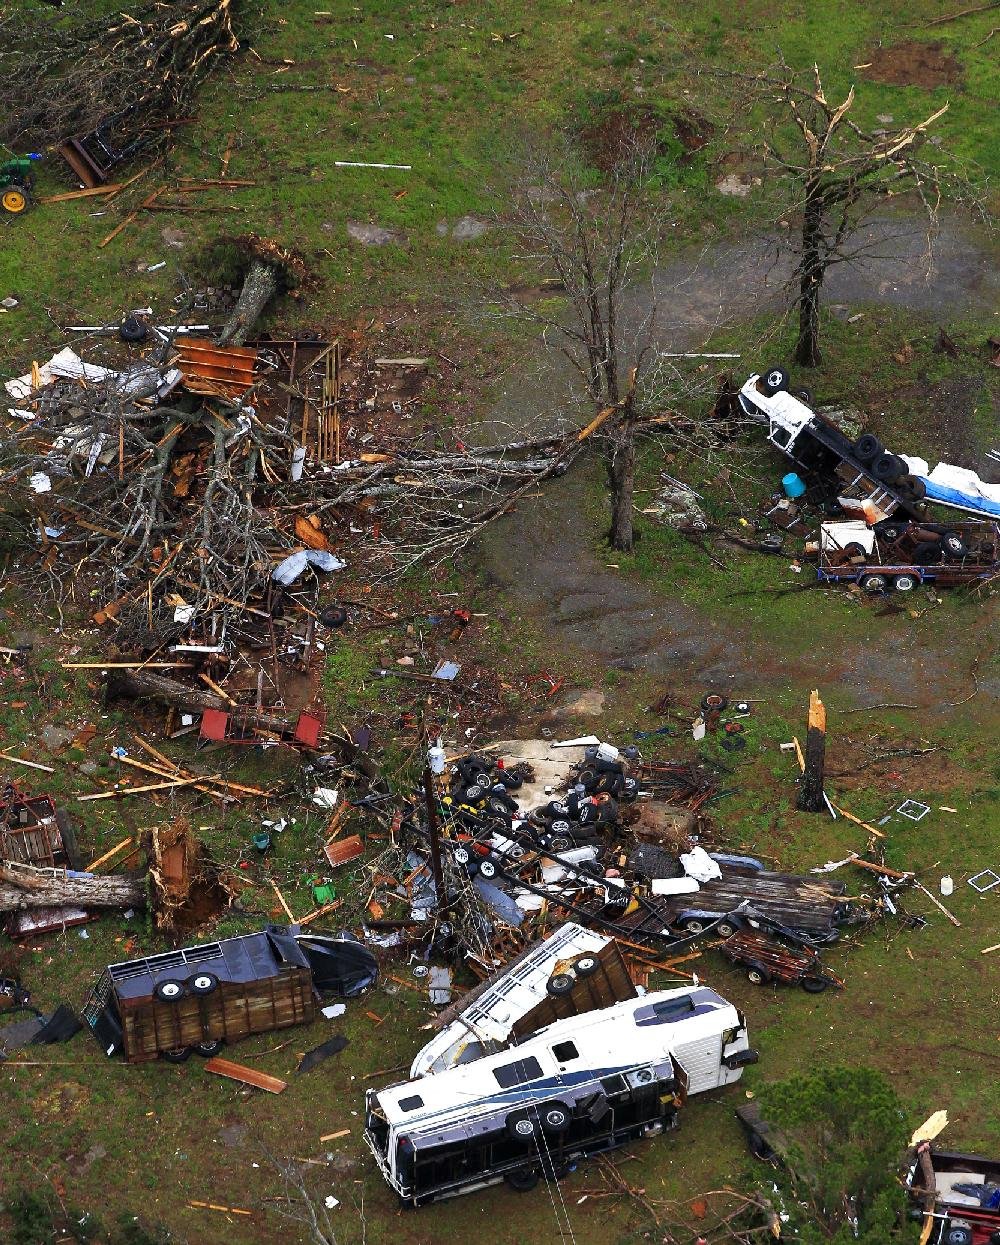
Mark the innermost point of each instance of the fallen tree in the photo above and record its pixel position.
(23, 886)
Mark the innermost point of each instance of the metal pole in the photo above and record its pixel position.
(433, 831)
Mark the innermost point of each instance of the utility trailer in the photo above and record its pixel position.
(34, 832)
(900, 555)
(199, 998)
(960, 1192)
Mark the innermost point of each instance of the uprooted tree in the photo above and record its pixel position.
(595, 242)
(833, 174)
(130, 75)
(262, 266)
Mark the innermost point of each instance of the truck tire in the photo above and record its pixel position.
(867, 447)
(913, 487)
(523, 1180)
(888, 467)
(774, 380)
(905, 583)
(872, 583)
(954, 546)
(559, 984)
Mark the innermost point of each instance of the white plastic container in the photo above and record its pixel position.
(947, 885)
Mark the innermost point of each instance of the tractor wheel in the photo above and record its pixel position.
(14, 200)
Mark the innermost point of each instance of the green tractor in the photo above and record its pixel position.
(17, 180)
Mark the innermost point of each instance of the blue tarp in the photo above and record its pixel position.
(965, 501)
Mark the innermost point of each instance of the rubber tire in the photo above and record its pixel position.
(873, 584)
(461, 856)
(555, 1117)
(803, 395)
(694, 925)
(913, 487)
(14, 199)
(867, 447)
(560, 843)
(559, 984)
(561, 826)
(957, 1235)
(487, 869)
(725, 929)
(181, 1055)
(928, 553)
(888, 468)
(888, 530)
(855, 550)
(208, 1050)
(166, 992)
(758, 977)
(202, 984)
(333, 616)
(714, 702)
(814, 985)
(587, 965)
(954, 546)
(132, 329)
(773, 380)
(516, 1122)
(905, 583)
(523, 1181)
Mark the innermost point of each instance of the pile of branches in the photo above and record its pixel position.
(132, 72)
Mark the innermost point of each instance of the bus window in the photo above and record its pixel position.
(565, 1051)
(518, 1073)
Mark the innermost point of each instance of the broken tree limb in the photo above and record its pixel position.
(23, 887)
(143, 685)
(810, 798)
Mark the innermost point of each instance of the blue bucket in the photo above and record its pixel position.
(793, 485)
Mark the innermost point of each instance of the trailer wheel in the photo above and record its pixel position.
(905, 583)
(758, 977)
(954, 545)
(872, 583)
(203, 983)
(587, 965)
(889, 530)
(693, 925)
(867, 447)
(555, 1117)
(814, 985)
(461, 856)
(522, 1127)
(958, 1234)
(523, 1180)
(169, 991)
(181, 1055)
(559, 984)
(774, 380)
(208, 1050)
(888, 467)
(487, 868)
(725, 929)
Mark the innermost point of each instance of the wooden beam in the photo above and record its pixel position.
(281, 900)
(48, 769)
(248, 1076)
(103, 860)
(83, 194)
(857, 821)
(155, 786)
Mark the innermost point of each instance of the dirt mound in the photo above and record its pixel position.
(673, 135)
(911, 63)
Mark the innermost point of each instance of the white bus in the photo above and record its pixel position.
(577, 1087)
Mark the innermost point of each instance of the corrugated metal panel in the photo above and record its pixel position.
(224, 371)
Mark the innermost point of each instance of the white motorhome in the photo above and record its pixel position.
(577, 1087)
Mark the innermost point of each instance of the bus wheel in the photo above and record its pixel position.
(522, 1127)
(208, 1050)
(523, 1180)
(181, 1055)
(555, 1118)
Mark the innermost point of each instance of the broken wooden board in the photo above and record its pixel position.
(344, 850)
(247, 1076)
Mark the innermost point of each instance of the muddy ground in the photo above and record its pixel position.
(544, 557)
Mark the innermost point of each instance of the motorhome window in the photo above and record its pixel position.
(565, 1051)
(664, 1012)
(518, 1073)
(411, 1103)
(781, 436)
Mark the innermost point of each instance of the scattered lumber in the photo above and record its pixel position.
(247, 1076)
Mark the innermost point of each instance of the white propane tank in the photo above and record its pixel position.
(947, 885)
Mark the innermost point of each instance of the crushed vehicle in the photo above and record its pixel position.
(901, 555)
(961, 1194)
(538, 987)
(198, 999)
(868, 481)
(580, 1086)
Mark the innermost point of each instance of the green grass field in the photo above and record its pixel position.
(446, 88)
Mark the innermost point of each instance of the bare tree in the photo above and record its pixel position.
(595, 243)
(835, 173)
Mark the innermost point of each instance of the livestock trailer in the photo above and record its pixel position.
(197, 999)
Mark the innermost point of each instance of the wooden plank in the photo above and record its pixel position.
(103, 860)
(125, 665)
(247, 1076)
(344, 1132)
(155, 786)
(83, 194)
(281, 900)
(228, 1210)
(6, 756)
(857, 820)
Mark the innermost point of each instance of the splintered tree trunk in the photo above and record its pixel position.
(259, 287)
(23, 888)
(810, 798)
(146, 685)
(621, 482)
(807, 353)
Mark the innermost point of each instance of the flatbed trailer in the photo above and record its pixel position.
(903, 556)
